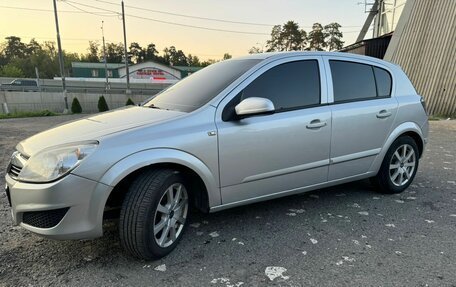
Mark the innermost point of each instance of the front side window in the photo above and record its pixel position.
(94, 73)
(288, 86)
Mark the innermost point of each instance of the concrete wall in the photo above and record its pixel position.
(38, 101)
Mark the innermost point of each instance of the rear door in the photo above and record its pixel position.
(363, 111)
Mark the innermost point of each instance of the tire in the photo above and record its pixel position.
(148, 206)
(398, 171)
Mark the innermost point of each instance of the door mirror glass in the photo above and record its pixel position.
(254, 106)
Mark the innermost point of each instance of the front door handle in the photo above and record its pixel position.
(316, 124)
(383, 114)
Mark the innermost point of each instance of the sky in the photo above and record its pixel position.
(84, 22)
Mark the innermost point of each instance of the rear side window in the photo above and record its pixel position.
(355, 81)
(352, 81)
(289, 86)
(383, 79)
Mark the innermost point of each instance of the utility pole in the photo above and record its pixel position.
(62, 69)
(125, 50)
(104, 57)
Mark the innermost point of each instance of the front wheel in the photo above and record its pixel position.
(399, 166)
(154, 214)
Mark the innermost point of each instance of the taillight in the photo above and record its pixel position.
(423, 103)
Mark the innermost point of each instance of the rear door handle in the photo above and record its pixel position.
(316, 124)
(383, 114)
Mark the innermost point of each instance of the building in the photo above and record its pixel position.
(94, 70)
(143, 72)
(422, 40)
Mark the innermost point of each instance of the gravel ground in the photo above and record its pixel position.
(341, 236)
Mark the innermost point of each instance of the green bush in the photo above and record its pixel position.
(130, 102)
(102, 104)
(76, 106)
(44, 113)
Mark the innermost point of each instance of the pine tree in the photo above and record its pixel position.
(316, 38)
(76, 106)
(102, 104)
(130, 102)
(333, 36)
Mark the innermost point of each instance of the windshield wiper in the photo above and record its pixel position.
(152, 106)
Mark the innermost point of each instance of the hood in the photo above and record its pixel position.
(94, 127)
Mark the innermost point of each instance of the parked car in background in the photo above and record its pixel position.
(237, 132)
(25, 85)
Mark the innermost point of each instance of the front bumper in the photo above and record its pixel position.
(76, 202)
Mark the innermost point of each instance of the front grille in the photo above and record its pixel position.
(44, 219)
(14, 170)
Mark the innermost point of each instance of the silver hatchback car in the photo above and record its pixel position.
(239, 131)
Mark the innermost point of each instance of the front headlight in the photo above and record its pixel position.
(51, 164)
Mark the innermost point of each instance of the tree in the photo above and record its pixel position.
(227, 56)
(150, 53)
(208, 62)
(137, 54)
(33, 47)
(102, 104)
(316, 38)
(293, 38)
(14, 48)
(11, 71)
(114, 52)
(288, 37)
(255, 50)
(175, 57)
(275, 44)
(130, 102)
(193, 61)
(93, 52)
(76, 106)
(333, 36)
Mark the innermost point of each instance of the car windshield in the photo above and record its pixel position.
(199, 88)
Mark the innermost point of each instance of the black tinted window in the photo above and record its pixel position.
(199, 88)
(352, 81)
(383, 79)
(290, 85)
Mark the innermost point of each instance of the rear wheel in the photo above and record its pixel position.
(399, 166)
(154, 214)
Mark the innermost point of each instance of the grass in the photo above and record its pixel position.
(439, 117)
(44, 113)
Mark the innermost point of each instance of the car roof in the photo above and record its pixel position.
(279, 55)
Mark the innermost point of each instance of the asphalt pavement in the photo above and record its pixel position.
(347, 235)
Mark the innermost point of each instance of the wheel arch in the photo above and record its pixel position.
(408, 128)
(203, 184)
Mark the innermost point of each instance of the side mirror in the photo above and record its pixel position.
(254, 106)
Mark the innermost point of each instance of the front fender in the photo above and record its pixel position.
(399, 130)
(144, 158)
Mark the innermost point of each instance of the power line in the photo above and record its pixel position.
(42, 10)
(203, 18)
(189, 16)
(81, 11)
(171, 23)
(85, 11)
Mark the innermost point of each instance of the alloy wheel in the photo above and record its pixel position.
(170, 215)
(402, 165)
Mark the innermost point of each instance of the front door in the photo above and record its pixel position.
(281, 152)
